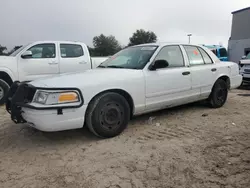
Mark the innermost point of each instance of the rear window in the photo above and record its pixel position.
(71, 50)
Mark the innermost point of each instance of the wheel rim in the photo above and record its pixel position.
(1, 92)
(221, 94)
(111, 116)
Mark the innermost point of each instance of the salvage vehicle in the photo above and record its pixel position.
(136, 80)
(244, 65)
(42, 59)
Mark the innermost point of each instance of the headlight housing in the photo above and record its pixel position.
(56, 97)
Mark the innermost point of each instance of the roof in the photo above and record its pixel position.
(237, 11)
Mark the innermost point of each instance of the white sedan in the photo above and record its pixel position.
(136, 80)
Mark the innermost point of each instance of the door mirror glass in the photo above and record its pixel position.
(243, 57)
(159, 64)
(27, 54)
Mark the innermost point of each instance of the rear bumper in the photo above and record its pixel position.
(18, 104)
(235, 81)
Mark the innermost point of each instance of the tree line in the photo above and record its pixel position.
(106, 45)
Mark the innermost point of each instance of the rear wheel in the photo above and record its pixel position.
(4, 88)
(108, 115)
(219, 94)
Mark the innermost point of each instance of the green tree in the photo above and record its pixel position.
(14, 49)
(105, 45)
(2, 50)
(141, 37)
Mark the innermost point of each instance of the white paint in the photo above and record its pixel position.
(150, 90)
(30, 69)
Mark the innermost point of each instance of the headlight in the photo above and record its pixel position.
(56, 97)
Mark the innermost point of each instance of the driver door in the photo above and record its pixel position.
(43, 62)
(169, 86)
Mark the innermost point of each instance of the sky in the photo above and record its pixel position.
(25, 21)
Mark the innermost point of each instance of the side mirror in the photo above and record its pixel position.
(159, 64)
(27, 54)
(244, 57)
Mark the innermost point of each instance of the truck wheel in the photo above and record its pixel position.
(219, 94)
(4, 88)
(108, 115)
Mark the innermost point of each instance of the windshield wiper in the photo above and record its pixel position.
(115, 66)
(102, 66)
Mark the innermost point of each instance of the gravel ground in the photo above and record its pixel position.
(189, 146)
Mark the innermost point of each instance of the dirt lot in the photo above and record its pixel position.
(189, 146)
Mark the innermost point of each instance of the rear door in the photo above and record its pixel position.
(203, 70)
(73, 58)
(44, 62)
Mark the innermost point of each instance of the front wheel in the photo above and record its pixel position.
(4, 88)
(219, 94)
(108, 115)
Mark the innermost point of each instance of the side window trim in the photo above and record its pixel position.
(184, 64)
(42, 44)
(199, 48)
(82, 50)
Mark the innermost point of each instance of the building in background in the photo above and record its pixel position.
(239, 42)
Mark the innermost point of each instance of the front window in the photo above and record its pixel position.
(130, 58)
(43, 51)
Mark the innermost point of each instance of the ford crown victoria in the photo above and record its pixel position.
(136, 80)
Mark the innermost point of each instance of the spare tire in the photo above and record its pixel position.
(4, 88)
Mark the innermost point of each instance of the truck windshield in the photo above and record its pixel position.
(130, 58)
(17, 51)
(248, 56)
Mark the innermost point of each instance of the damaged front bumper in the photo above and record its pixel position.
(58, 118)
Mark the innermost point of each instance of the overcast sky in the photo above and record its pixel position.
(24, 21)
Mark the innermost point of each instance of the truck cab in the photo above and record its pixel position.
(42, 59)
(219, 51)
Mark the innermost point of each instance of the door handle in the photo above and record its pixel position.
(214, 69)
(53, 63)
(185, 73)
(82, 62)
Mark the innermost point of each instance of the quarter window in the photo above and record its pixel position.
(205, 56)
(71, 50)
(172, 54)
(194, 55)
(43, 51)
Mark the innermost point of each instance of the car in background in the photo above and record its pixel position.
(219, 51)
(136, 80)
(244, 65)
(42, 59)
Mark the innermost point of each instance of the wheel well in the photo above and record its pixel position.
(125, 94)
(226, 79)
(4, 76)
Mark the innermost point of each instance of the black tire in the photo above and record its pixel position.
(108, 115)
(219, 94)
(4, 88)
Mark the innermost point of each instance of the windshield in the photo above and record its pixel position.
(248, 56)
(18, 50)
(130, 58)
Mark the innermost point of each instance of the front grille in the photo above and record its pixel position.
(247, 70)
(29, 94)
(246, 79)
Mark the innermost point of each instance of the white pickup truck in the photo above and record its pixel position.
(245, 69)
(42, 59)
(136, 80)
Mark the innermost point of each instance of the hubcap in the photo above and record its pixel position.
(111, 116)
(1, 93)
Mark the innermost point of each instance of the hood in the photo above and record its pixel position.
(245, 61)
(90, 77)
(7, 61)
